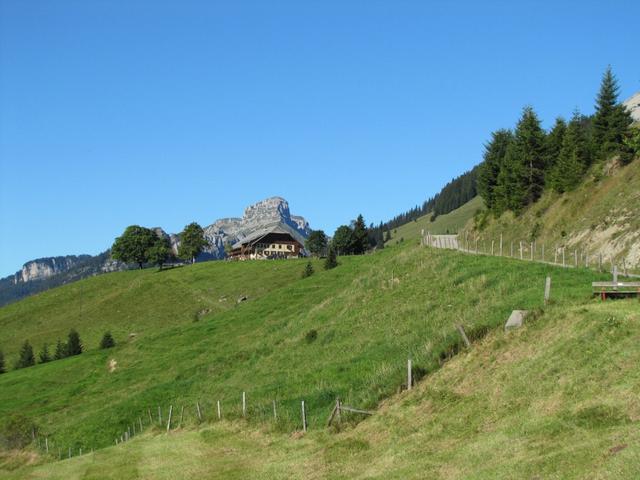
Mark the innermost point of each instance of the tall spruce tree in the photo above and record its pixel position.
(26, 357)
(510, 191)
(574, 157)
(3, 367)
(553, 143)
(494, 153)
(359, 236)
(521, 178)
(74, 345)
(611, 120)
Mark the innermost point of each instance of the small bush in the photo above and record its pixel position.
(331, 261)
(311, 336)
(308, 270)
(107, 341)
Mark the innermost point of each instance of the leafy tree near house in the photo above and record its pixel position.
(3, 368)
(107, 341)
(26, 357)
(192, 242)
(134, 244)
(74, 345)
(316, 243)
(341, 241)
(43, 356)
(331, 261)
(159, 252)
(61, 350)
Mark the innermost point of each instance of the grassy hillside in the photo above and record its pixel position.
(556, 399)
(368, 315)
(138, 302)
(599, 217)
(451, 222)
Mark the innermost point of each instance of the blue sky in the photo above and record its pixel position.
(162, 113)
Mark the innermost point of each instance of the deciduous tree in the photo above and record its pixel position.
(192, 242)
(134, 244)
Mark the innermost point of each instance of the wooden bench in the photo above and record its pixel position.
(616, 289)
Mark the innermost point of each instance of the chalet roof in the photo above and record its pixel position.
(278, 227)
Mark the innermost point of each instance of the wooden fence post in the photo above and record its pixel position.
(140, 421)
(275, 412)
(219, 412)
(500, 244)
(521, 253)
(46, 443)
(615, 274)
(575, 255)
(150, 417)
(531, 251)
(169, 422)
(409, 376)
(159, 415)
(244, 404)
(563, 264)
(304, 418)
(492, 247)
(547, 290)
(463, 335)
(199, 412)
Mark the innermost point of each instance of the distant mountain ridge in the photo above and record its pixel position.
(48, 272)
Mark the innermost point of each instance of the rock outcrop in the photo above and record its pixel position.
(633, 105)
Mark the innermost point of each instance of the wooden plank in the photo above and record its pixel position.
(463, 335)
(547, 290)
(333, 413)
(169, 421)
(409, 379)
(355, 410)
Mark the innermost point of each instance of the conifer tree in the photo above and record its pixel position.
(574, 157)
(3, 368)
(553, 143)
(107, 341)
(74, 345)
(494, 153)
(510, 188)
(529, 141)
(44, 356)
(331, 260)
(61, 351)
(26, 357)
(611, 120)
(359, 237)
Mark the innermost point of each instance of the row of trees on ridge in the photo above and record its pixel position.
(141, 245)
(73, 346)
(519, 165)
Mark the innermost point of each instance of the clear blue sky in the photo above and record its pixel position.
(162, 113)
